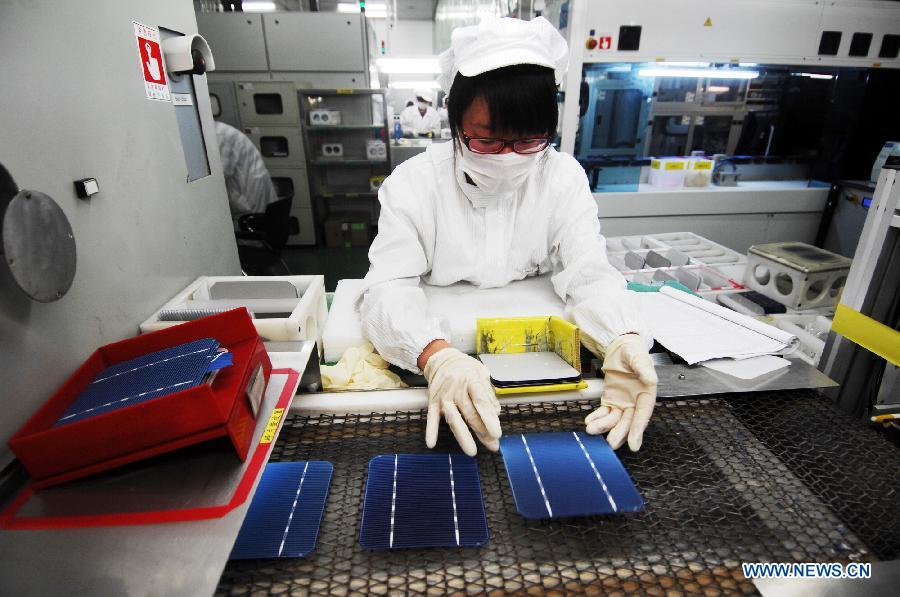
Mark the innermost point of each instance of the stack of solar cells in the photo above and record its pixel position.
(284, 517)
(554, 475)
(147, 377)
(423, 500)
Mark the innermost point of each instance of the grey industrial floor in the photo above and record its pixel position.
(335, 263)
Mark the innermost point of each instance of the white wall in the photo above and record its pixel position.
(409, 38)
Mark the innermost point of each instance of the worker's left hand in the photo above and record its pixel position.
(629, 392)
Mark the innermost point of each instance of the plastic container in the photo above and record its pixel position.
(304, 320)
(132, 433)
(667, 172)
(699, 172)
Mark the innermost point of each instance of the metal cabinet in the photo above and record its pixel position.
(267, 103)
(281, 147)
(236, 40)
(316, 41)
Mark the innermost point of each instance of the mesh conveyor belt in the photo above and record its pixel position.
(744, 478)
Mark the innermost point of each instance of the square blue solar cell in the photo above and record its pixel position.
(423, 500)
(567, 474)
(145, 378)
(285, 514)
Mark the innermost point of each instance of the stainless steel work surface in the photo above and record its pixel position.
(678, 380)
(739, 478)
(184, 558)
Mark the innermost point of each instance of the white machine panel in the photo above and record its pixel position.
(281, 147)
(763, 31)
(236, 40)
(320, 80)
(315, 41)
(267, 103)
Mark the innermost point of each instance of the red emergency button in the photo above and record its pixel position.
(591, 43)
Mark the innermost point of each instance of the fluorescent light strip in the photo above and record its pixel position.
(813, 75)
(710, 73)
(347, 8)
(415, 85)
(258, 7)
(409, 66)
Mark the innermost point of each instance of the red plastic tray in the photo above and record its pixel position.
(12, 517)
(56, 454)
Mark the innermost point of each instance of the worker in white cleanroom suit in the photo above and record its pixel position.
(421, 118)
(247, 181)
(495, 205)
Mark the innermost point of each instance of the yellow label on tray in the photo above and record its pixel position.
(272, 426)
(701, 165)
(675, 165)
(345, 91)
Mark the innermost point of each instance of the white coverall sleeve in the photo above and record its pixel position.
(393, 310)
(596, 292)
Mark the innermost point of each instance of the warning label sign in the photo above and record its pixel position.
(152, 65)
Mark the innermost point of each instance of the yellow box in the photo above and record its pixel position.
(510, 335)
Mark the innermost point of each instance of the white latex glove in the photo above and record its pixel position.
(629, 392)
(459, 388)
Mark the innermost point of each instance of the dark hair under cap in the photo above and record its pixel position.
(521, 100)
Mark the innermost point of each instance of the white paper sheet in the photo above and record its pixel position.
(748, 368)
(697, 334)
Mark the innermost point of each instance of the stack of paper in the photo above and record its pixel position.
(698, 330)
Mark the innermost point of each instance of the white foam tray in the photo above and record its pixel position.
(306, 321)
(700, 250)
(458, 305)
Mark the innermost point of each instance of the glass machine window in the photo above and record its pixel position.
(771, 118)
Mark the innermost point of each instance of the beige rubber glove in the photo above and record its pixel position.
(459, 388)
(629, 392)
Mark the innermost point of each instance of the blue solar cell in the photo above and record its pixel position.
(567, 474)
(144, 378)
(423, 500)
(285, 514)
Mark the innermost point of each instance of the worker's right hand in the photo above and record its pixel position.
(459, 388)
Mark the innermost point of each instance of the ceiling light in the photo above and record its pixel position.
(409, 66)
(415, 85)
(812, 75)
(346, 7)
(258, 6)
(711, 73)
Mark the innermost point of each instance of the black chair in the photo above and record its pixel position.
(262, 237)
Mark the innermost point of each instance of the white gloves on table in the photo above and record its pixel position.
(459, 388)
(629, 392)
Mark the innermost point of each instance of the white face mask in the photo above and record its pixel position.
(423, 106)
(496, 173)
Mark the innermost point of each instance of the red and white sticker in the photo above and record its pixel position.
(604, 42)
(152, 66)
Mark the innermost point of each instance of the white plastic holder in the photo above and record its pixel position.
(305, 322)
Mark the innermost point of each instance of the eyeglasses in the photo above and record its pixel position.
(489, 145)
